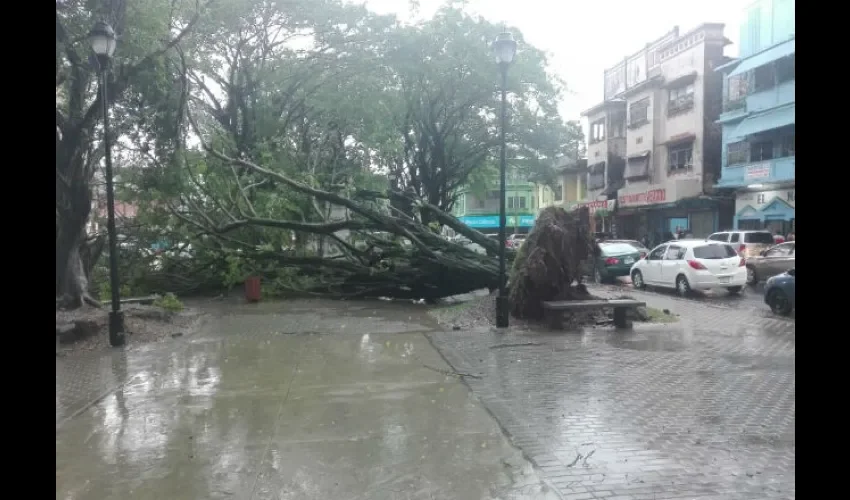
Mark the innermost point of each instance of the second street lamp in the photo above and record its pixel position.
(504, 48)
(102, 39)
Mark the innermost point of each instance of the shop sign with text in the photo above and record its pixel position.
(491, 221)
(758, 170)
(594, 206)
(760, 199)
(649, 197)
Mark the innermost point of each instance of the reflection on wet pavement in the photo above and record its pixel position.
(702, 408)
(241, 411)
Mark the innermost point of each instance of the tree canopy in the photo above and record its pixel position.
(310, 140)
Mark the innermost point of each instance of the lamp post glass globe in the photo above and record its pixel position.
(102, 39)
(504, 48)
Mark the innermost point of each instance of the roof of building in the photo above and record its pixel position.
(602, 106)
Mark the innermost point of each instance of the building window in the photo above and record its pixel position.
(681, 99)
(596, 176)
(788, 146)
(764, 77)
(786, 69)
(639, 112)
(480, 202)
(738, 87)
(597, 131)
(637, 167)
(559, 192)
(522, 202)
(737, 153)
(761, 151)
(680, 156)
(510, 202)
(618, 126)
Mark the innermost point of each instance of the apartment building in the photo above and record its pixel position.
(758, 119)
(653, 144)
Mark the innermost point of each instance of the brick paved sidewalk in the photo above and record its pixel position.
(704, 408)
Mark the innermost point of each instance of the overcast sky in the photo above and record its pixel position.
(583, 37)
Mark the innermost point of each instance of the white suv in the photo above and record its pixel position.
(691, 265)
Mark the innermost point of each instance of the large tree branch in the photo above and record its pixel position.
(326, 228)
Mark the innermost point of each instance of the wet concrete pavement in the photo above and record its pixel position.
(279, 401)
(700, 409)
(350, 400)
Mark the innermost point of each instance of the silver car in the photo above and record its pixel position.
(770, 262)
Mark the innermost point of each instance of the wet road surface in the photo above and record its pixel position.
(751, 297)
(701, 409)
(287, 401)
(312, 399)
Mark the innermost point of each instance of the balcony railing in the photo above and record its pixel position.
(769, 171)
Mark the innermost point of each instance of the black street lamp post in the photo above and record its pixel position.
(102, 38)
(504, 49)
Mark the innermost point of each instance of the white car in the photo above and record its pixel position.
(691, 265)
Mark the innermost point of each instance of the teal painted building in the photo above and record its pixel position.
(758, 120)
(479, 208)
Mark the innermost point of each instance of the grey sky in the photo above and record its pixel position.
(583, 37)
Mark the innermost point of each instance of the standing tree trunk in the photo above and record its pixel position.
(73, 206)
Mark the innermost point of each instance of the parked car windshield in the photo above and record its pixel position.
(616, 248)
(764, 238)
(714, 252)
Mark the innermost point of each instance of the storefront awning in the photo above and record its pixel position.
(773, 119)
(776, 52)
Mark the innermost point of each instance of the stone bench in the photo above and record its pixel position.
(554, 311)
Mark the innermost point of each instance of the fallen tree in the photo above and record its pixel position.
(401, 257)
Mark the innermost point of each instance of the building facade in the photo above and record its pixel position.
(570, 187)
(758, 120)
(654, 144)
(479, 208)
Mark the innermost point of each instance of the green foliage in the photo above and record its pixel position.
(106, 291)
(349, 95)
(169, 302)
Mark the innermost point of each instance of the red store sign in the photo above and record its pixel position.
(595, 205)
(646, 198)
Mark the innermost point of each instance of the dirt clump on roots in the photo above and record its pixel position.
(549, 265)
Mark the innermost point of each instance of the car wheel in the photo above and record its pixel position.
(637, 280)
(778, 302)
(752, 278)
(682, 286)
(735, 290)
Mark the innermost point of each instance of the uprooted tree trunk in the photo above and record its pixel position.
(550, 261)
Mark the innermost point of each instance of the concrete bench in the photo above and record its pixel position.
(555, 310)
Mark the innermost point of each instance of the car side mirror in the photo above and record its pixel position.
(792, 272)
